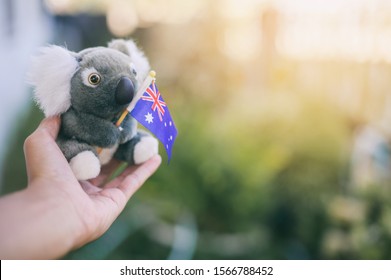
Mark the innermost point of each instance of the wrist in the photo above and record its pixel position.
(54, 226)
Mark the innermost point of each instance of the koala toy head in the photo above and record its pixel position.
(101, 81)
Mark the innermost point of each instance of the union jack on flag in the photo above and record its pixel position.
(152, 94)
(152, 112)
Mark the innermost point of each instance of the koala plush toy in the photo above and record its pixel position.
(89, 90)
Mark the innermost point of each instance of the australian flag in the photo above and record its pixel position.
(152, 112)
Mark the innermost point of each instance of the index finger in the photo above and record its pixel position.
(134, 177)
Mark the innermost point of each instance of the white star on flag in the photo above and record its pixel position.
(149, 118)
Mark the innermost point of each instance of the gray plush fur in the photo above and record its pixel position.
(88, 122)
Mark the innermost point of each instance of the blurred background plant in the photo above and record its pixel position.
(283, 110)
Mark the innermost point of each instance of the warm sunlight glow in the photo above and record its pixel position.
(356, 30)
(122, 18)
(353, 30)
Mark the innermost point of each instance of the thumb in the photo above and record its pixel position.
(43, 156)
(50, 125)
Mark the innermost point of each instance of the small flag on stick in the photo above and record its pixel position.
(152, 112)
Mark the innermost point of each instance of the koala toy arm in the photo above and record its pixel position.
(128, 129)
(90, 129)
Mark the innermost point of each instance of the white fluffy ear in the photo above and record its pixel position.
(138, 58)
(50, 74)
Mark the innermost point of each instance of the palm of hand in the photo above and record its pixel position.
(90, 207)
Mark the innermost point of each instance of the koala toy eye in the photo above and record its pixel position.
(94, 79)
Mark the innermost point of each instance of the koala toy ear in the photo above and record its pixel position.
(140, 62)
(50, 74)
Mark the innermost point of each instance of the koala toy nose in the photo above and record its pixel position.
(124, 92)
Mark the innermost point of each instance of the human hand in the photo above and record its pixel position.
(66, 213)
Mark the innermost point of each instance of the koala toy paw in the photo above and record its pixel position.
(145, 149)
(85, 165)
